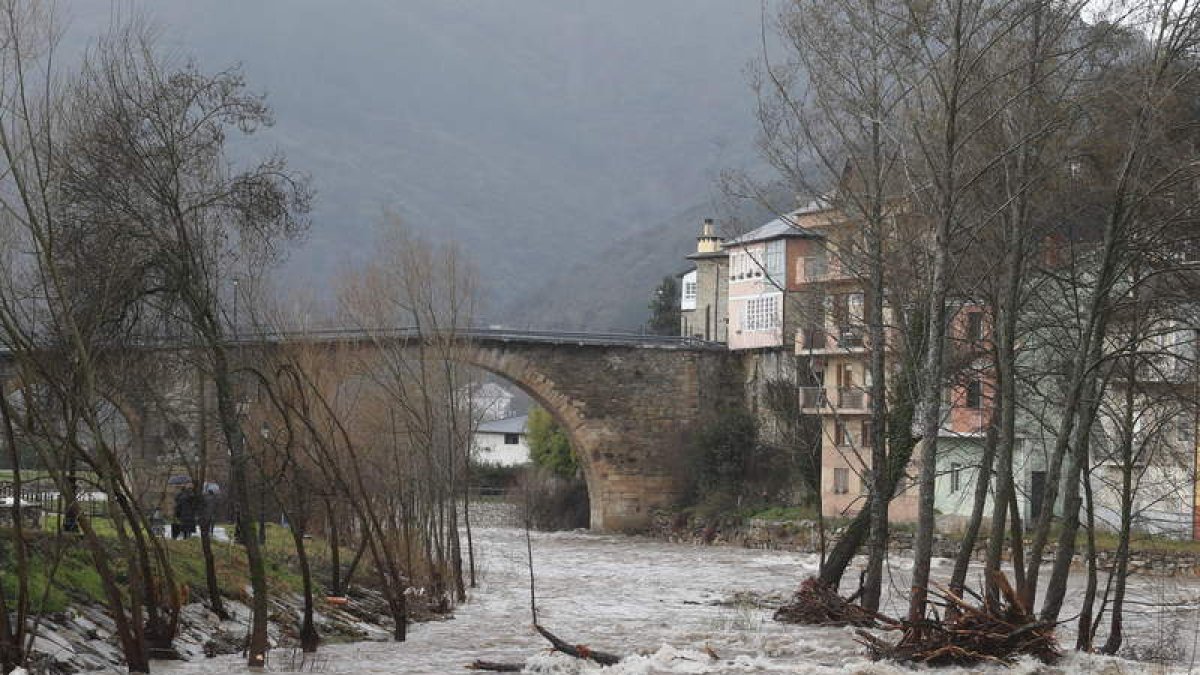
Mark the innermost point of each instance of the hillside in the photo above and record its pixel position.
(540, 134)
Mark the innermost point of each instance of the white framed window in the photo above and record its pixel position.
(774, 261)
(689, 290)
(841, 481)
(761, 313)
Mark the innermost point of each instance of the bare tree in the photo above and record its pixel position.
(147, 147)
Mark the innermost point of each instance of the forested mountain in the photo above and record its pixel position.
(552, 139)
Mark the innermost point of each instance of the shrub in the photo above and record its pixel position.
(552, 502)
(492, 478)
(549, 446)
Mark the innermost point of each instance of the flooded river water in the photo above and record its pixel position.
(670, 607)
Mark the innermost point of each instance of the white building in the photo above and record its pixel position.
(503, 442)
(687, 292)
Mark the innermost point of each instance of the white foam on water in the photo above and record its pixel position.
(665, 606)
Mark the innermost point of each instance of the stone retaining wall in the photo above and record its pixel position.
(802, 536)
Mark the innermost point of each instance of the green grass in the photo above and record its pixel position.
(787, 513)
(76, 579)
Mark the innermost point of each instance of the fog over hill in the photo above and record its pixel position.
(552, 138)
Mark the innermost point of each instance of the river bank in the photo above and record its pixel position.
(81, 638)
(1150, 556)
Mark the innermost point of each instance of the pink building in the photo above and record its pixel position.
(763, 277)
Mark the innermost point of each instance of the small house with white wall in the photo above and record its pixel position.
(502, 442)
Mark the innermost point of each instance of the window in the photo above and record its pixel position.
(774, 261)
(512, 439)
(868, 434)
(841, 481)
(841, 435)
(737, 265)
(975, 394)
(975, 326)
(689, 290)
(761, 313)
(955, 476)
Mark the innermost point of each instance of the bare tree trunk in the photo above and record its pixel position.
(1018, 540)
(231, 428)
(309, 639)
(1083, 641)
(878, 505)
(335, 553)
(12, 632)
(215, 602)
(1056, 587)
(931, 398)
(983, 479)
(1115, 632)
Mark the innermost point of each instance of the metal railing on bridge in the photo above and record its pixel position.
(492, 334)
(488, 334)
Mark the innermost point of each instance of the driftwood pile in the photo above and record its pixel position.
(990, 632)
(818, 604)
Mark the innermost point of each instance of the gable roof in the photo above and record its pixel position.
(783, 227)
(508, 425)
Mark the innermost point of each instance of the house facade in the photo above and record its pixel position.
(792, 284)
(764, 279)
(503, 442)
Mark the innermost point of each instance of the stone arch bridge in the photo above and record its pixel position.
(629, 403)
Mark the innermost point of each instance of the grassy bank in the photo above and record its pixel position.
(62, 573)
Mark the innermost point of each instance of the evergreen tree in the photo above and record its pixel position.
(548, 444)
(664, 308)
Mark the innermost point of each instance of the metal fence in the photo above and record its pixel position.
(43, 494)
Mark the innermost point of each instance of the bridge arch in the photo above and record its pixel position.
(566, 411)
(629, 412)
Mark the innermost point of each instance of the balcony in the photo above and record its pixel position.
(822, 341)
(815, 339)
(813, 398)
(850, 337)
(851, 398)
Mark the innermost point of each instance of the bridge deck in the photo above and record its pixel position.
(478, 335)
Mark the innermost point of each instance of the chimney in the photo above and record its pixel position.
(708, 241)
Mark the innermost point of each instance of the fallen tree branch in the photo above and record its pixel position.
(578, 651)
(496, 667)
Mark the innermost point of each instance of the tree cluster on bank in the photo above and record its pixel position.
(131, 206)
(1034, 160)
